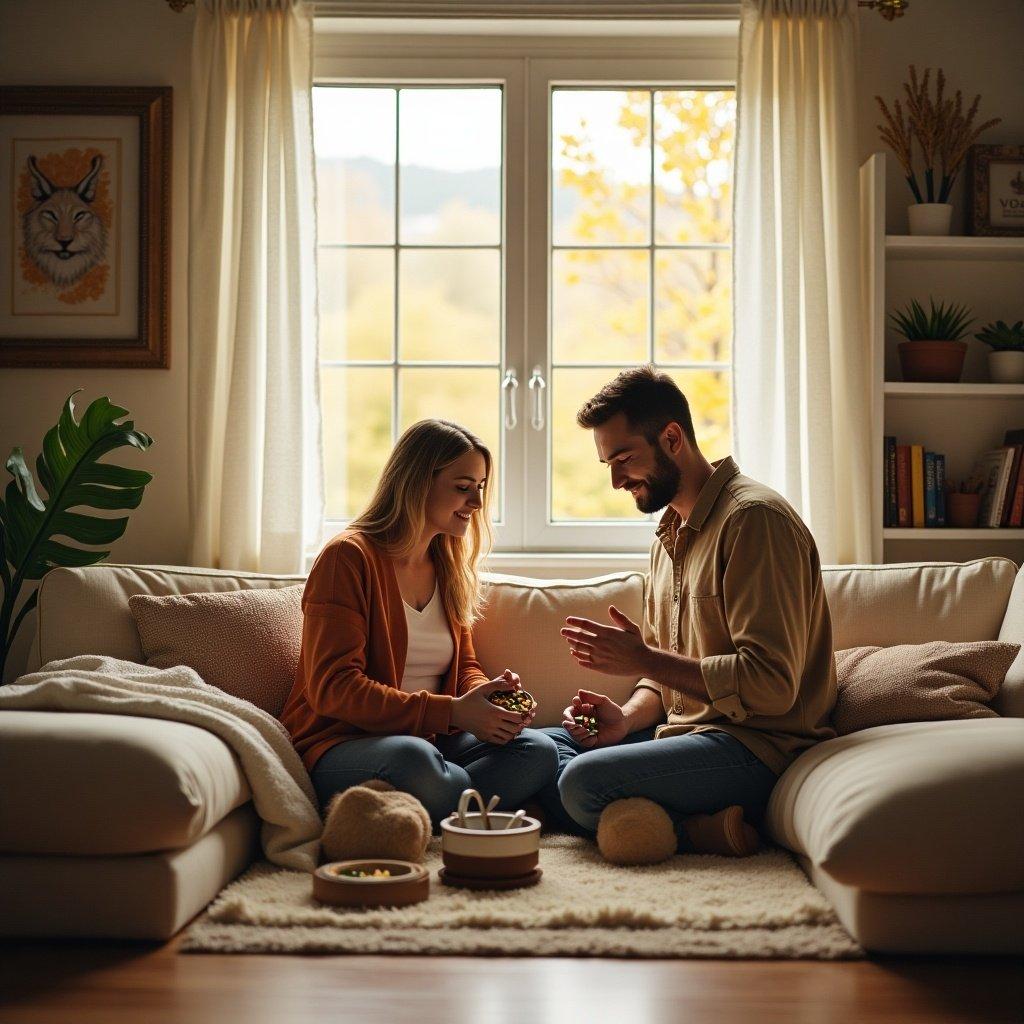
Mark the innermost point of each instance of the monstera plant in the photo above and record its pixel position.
(71, 476)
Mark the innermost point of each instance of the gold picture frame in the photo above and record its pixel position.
(995, 186)
(85, 183)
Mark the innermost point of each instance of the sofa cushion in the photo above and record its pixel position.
(923, 807)
(85, 610)
(915, 602)
(81, 783)
(519, 630)
(918, 682)
(1010, 698)
(245, 642)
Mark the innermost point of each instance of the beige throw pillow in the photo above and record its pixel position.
(246, 642)
(918, 682)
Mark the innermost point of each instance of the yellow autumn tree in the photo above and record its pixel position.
(602, 297)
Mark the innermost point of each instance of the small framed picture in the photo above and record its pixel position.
(84, 217)
(995, 182)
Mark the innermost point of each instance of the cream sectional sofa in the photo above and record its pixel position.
(127, 827)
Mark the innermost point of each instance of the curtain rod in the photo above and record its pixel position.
(670, 10)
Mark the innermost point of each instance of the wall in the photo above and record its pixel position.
(143, 42)
(112, 42)
(977, 44)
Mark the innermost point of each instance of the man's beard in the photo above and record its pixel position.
(662, 486)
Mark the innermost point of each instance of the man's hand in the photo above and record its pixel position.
(617, 650)
(473, 712)
(611, 722)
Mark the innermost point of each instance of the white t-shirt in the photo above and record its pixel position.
(431, 647)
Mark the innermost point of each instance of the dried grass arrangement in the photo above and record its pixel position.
(939, 126)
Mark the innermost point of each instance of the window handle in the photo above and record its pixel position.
(509, 386)
(537, 384)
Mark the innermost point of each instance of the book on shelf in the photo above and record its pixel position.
(993, 470)
(917, 485)
(891, 511)
(903, 484)
(931, 499)
(940, 488)
(1014, 513)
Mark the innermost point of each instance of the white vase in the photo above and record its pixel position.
(929, 218)
(1006, 367)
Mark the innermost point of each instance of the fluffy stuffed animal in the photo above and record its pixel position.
(374, 819)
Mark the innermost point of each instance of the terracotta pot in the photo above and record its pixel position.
(962, 509)
(929, 218)
(932, 362)
(1006, 367)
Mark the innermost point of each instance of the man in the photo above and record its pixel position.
(734, 653)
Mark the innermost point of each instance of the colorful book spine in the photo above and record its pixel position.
(891, 511)
(940, 489)
(1011, 485)
(903, 496)
(917, 485)
(931, 508)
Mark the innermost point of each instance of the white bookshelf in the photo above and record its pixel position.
(960, 420)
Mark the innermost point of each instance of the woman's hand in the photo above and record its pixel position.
(473, 712)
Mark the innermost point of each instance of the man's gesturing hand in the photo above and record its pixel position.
(611, 722)
(617, 650)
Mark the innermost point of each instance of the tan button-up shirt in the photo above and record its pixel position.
(738, 586)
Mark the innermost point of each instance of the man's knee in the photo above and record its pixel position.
(580, 784)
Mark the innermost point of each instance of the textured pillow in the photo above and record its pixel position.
(246, 642)
(918, 682)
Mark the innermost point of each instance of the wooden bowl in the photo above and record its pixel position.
(408, 883)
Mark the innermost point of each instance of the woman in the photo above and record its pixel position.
(388, 686)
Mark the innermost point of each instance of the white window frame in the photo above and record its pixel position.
(528, 68)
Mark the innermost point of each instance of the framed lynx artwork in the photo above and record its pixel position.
(84, 218)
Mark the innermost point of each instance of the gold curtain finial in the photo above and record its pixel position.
(888, 9)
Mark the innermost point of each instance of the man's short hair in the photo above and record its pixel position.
(649, 399)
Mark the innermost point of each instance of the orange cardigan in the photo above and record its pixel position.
(352, 657)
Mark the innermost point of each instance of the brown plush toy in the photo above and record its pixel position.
(374, 819)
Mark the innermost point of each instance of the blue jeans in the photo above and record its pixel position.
(437, 773)
(696, 773)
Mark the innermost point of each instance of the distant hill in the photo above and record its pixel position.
(427, 188)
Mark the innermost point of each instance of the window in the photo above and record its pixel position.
(497, 239)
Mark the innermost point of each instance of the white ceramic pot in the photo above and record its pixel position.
(1006, 367)
(929, 218)
(498, 852)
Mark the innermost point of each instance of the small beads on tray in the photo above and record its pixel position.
(514, 700)
(588, 722)
(360, 873)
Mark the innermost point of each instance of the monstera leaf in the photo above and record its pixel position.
(71, 476)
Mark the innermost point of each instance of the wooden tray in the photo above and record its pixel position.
(408, 883)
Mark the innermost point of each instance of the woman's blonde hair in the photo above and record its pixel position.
(396, 514)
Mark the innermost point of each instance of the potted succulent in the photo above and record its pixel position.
(943, 132)
(933, 351)
(1006, 360)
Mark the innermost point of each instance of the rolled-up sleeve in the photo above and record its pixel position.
(767, 590)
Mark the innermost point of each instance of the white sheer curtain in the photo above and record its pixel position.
(255, 477)
(802, 386)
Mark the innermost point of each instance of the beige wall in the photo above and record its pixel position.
(112, 42)
(142, 42)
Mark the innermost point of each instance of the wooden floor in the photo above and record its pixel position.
(134, 983)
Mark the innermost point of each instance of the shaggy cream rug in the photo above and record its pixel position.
(690, 906)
